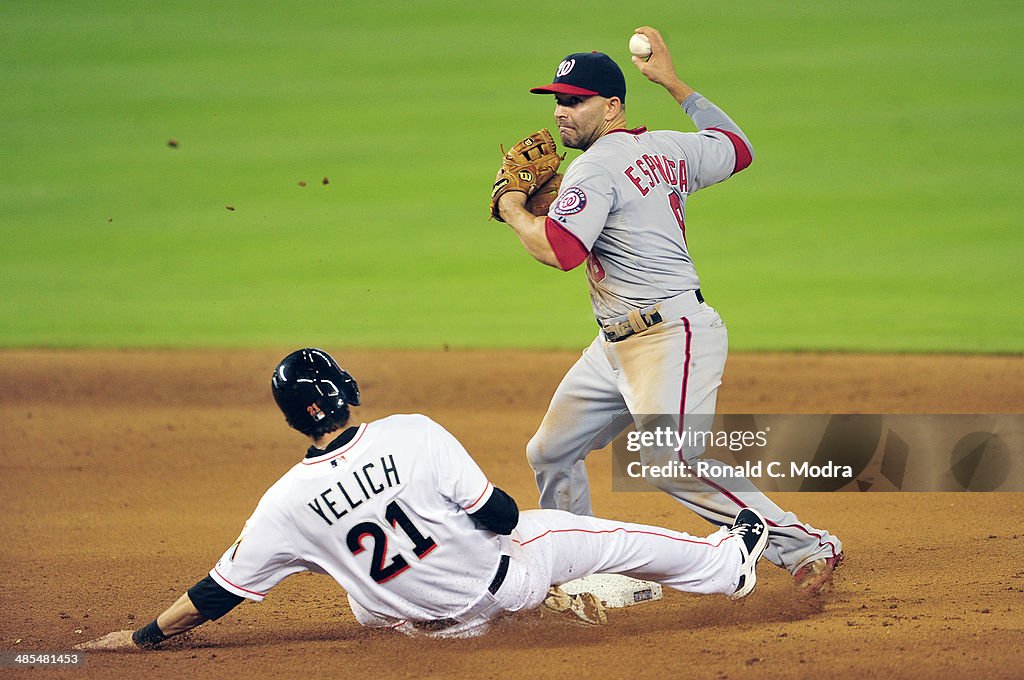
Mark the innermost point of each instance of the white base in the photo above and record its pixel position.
(615, 590)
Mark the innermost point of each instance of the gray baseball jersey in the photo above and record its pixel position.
(624, 200)
(623, 209)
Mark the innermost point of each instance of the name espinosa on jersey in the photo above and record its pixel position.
(655, 170)
(371, 479)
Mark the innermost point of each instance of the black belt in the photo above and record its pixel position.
(499, 578)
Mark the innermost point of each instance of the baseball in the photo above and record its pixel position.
(640, 46)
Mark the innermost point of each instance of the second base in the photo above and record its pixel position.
(615, 590)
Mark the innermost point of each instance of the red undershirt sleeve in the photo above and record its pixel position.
(743, 155)
(569, 252)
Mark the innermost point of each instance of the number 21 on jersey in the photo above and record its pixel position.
(380, 570)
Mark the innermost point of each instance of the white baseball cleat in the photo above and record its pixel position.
(752, 531)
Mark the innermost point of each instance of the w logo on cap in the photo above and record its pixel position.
(586, 74)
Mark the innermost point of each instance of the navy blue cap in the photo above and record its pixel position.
(587, 74)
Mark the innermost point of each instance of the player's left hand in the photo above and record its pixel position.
(119, 639)
(526, 167)
(510, 200)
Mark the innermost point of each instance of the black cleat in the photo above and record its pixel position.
(752, 531)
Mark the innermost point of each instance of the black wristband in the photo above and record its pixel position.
(149, 635)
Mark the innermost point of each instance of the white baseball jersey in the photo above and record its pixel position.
(624, 200)
(385, 515)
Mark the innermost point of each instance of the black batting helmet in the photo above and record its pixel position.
(313, 391)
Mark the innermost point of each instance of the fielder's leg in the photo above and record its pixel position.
(676, 368)
(586, 413)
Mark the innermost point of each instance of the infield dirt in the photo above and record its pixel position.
(126, 474)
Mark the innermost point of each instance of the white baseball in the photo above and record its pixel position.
(640, 46)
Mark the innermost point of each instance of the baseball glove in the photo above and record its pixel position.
(541, 201)
(526, 167)
(584, 606)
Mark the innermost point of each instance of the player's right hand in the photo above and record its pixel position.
(119, 639)
(658, 67)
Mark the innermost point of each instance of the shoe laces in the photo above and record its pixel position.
(740, 530)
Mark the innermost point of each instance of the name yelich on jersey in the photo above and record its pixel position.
(372, 478)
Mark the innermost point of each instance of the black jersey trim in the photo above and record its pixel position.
(212, 599)
(339, 441)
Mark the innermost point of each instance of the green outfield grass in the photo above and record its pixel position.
(883, 211)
